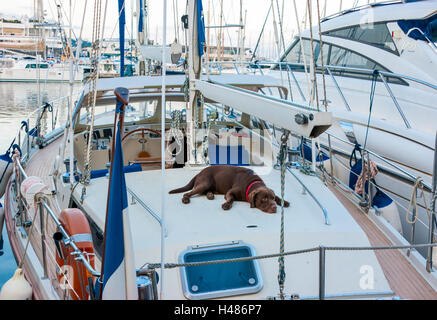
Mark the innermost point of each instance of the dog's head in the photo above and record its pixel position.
(263, 198)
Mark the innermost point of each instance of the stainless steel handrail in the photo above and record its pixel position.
(381, 74)
(145, 206)
(67, 240)
(424, 35)
(332, 67)
(325, 212)
(412, 176)
(407, 124)
(339, 90)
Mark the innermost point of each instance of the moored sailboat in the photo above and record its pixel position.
(196, 250)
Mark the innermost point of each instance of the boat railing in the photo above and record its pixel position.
(44, 207)
(432, 44)
(384, 77)
(321, 249)
(364, 199)
(136, 198)
(41, 123)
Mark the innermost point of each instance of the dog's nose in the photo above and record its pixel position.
(272, 209)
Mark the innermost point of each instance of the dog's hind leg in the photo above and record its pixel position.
(199, 189)
(210, 195)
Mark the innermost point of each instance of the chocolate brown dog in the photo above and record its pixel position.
(236, 183)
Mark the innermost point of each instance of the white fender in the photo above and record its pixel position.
(391, 214)
(30, 187)
(16, 288)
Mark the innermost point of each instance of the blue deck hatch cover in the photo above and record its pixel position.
(222, 279)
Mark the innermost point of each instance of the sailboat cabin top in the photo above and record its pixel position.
(145, 97)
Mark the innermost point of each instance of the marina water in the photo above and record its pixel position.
(17, 100)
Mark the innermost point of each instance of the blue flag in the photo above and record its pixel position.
(119, 274)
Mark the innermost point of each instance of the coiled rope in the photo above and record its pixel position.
(413, 201)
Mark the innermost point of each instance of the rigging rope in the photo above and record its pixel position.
(97, 45)
(282, 161)
(313, 61)
(325, 101)
(413, 201)
(93, 88)
(372, 96)
(302, 49)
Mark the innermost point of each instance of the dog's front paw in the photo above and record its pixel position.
(185, 200)
(226, 206)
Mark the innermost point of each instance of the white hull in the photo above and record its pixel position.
(45, 75)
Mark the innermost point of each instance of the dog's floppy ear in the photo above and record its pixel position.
(252, 197)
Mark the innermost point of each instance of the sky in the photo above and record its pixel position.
(254, 13)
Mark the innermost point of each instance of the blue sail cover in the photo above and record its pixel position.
(200, 27)
(427, 26)
(121, 25)
(140, 19)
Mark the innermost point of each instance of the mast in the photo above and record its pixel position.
(40, 18)
(240, 32)
(243, 40)
(194, 69)
(71, 100)
(163, 105)
(220, 33)
(275, 28)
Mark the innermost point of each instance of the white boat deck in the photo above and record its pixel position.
(403, 278)
(203, 222)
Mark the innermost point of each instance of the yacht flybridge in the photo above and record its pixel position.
(129, 141)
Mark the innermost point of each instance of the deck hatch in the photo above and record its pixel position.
(223, 279)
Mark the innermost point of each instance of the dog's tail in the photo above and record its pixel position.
(189, 186)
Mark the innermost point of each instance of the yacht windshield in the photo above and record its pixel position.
(136, 111)
(376, 35)
(341, 61)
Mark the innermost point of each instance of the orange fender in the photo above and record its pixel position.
(76, 225)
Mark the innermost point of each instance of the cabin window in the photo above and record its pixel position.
(295, 54)
(376, 35)
(335, 56)
(222, 279)
(33, 66)
(345, 58)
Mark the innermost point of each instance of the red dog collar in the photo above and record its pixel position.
(250, 186)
